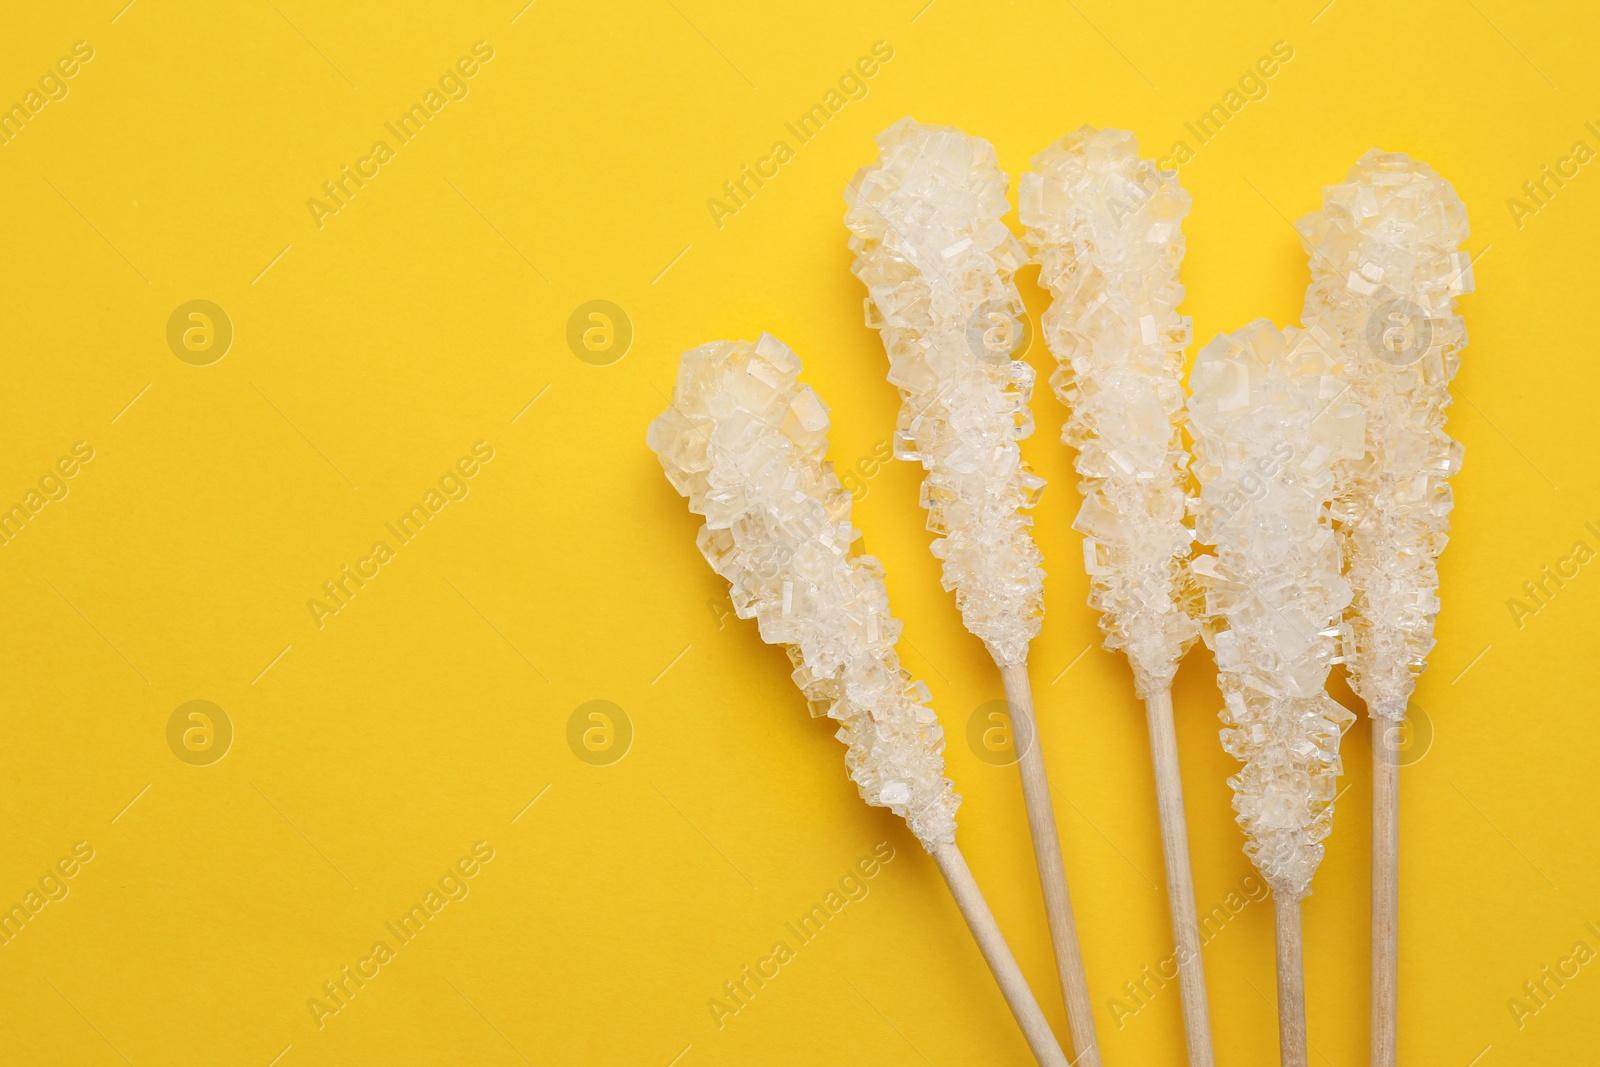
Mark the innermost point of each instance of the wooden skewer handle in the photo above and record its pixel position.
(1291, 982)
(1385, 888)
(1052, 873)
(986, 932)
(1180, 880)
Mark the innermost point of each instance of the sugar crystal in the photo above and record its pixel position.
(1386, 269)
(1104, 226)
(1274, 593)
(937, 263)
(746, 442)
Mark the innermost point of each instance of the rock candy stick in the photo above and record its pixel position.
(937, 260)
(1386, 269)
(745, 442)
(1268, 423)
(1104, 226)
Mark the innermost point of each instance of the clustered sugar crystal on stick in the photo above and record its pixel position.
(1106, 229)
(1386, 269)
(746, 442)
(937, 261)
(1268, 424)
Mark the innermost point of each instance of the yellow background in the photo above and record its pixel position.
(425, 716)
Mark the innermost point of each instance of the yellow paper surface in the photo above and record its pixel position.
(370, 749)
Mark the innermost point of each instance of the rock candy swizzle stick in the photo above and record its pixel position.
(1268, 424)
(937, 263)
(1386, 269)
(746, 442)
(1104, 225)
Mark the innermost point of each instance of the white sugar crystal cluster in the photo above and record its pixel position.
(937, 263)
(1386, 269)
(1269, 421)
(1105, 227)
(745, 442)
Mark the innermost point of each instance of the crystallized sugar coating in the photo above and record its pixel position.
(1269, 420)
(745, 442)
(937, 263)
(1104, 226)
(1386, 269)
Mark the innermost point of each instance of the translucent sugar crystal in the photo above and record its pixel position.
(1274, 594)
(1104, 226)
(746, 443)
(1386, 269)
(937, 263)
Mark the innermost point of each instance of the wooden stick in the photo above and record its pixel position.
(1180, 880)
(986, 932)
(1052, 873)
(1291, 983)
(1385, 888)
